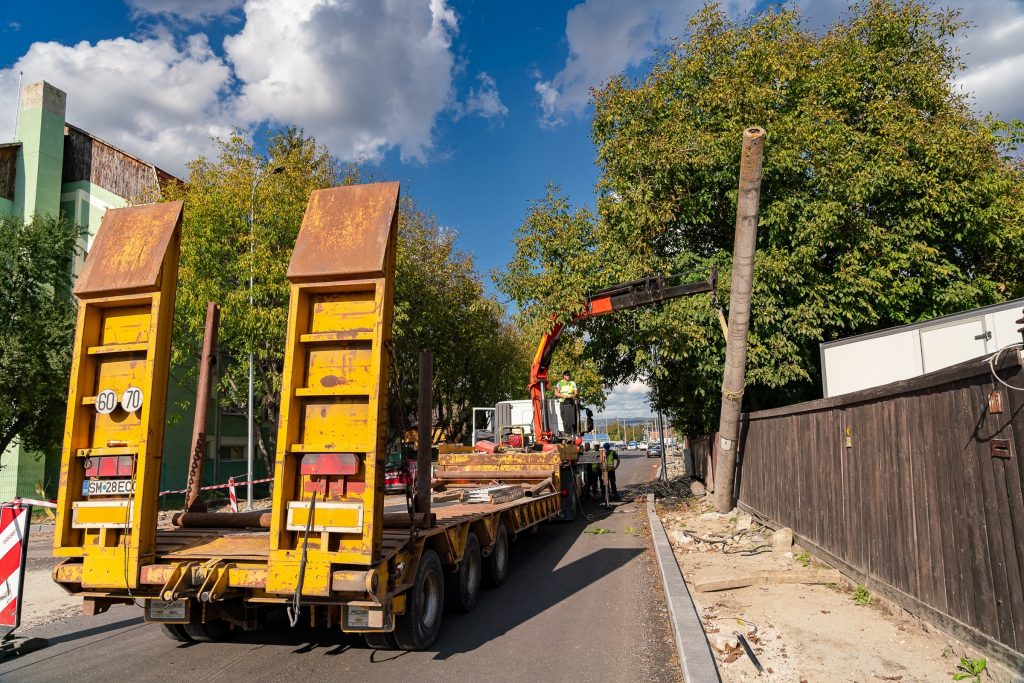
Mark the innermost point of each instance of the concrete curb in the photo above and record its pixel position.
(696, 662)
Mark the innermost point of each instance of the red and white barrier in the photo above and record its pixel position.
(231, 494)
(229, 485)
(14, 527)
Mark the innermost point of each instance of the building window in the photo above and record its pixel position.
(232, 449)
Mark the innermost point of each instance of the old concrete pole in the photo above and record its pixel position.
(733, 378)
(425, 417)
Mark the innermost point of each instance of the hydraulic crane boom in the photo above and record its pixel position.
(648, 291)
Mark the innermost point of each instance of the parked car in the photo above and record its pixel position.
(631, 446)
(642, 445)
(654, 450)
(399, 473)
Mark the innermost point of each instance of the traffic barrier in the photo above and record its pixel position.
(231, 494)
(14, 520)
(229, 485)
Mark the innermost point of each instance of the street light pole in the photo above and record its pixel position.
(250, 422)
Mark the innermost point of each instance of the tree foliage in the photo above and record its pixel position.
(885, 200)
(38, 330)
(439, 297)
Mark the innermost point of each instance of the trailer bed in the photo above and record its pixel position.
(174, 543)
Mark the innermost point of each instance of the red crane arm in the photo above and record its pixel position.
(649, 291)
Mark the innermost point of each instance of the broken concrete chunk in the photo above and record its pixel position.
(723, 643)
(697, 488)
(743, 521)
(782, 541)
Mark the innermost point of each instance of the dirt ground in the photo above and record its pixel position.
(805, 633)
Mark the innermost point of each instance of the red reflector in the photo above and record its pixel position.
(329, 464)
(565, 492)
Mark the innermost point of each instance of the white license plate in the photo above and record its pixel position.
(167, 610)
(108, 487)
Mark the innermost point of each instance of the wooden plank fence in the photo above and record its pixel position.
(914, 489)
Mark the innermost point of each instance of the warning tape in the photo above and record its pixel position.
(230, 483)
(33, 501)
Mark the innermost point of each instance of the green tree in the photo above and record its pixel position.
(220, 251)
(439, 299)
(885, 199)
(480, 357)
(38, 331)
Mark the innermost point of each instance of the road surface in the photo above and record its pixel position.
(576, 607)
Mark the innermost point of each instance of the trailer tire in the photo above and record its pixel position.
(496, 564)
(419, 627)
(462, 589)
(212, 631)
(176, 632)
(380, 641)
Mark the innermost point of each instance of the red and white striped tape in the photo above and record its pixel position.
(14, 518)
(217, 486)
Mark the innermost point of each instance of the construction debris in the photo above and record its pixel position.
(501, 493)
(709, 580)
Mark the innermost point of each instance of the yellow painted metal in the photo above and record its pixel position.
(335, 382)
(126, 302)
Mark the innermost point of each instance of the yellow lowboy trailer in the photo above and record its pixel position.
(331, 548)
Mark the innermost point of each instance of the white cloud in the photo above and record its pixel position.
(993, 50)
(606, 37)
(186, 9)
(484, 101)
(628, 400)
(363, 77)
(152, 97)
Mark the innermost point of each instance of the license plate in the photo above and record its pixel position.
(358, 617)
(108, 487)
(170, 611)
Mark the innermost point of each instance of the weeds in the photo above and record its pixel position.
(862, 596)
(804, 558)
(632, 531)
(970, 669)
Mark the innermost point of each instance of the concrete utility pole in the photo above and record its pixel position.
(733, 379)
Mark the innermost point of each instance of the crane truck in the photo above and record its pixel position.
(332, 549)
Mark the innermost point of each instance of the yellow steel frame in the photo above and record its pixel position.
(335, 383)
(126, 303)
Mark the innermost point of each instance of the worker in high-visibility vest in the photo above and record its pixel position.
(567, 391)
(613, 460)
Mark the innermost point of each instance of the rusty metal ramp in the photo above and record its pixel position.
(202, 544)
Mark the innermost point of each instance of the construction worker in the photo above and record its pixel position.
(567, 391)
(613, 460)
(593, 473)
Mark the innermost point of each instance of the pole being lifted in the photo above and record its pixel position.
(733, 379)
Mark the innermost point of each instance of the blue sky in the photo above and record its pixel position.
(474, 105)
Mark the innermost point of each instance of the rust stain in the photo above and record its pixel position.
(345, 232)
(331, 381)
(128, 253)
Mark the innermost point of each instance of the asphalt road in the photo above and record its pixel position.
(577, 607)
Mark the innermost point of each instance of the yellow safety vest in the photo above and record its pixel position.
(566, 388)
(611, 459)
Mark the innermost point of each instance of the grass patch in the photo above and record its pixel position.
(862, 596)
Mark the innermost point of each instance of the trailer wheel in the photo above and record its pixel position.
(496, 564)
(418, 628)
(462, 589)
(380, 641)
(176, 632)
(212, 631)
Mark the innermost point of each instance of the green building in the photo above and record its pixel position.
(52, 167)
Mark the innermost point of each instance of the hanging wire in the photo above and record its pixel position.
(993, 361)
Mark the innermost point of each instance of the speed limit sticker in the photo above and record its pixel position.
(106, 401)
(131, 399)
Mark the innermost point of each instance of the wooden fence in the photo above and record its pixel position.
(913, 488)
